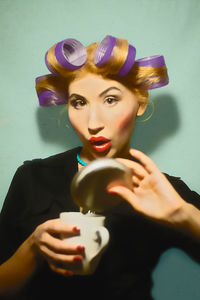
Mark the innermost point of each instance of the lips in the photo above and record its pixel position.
(100, 143)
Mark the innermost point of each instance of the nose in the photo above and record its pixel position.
(95, 120)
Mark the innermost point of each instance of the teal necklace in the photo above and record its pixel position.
(80, 160)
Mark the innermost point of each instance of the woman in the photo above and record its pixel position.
(105, 90)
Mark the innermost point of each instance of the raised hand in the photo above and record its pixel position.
(152, 194)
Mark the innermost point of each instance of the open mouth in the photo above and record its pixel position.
(100, 144)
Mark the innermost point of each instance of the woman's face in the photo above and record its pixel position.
(102, 112)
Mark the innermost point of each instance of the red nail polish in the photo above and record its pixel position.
(112, 192)
(77, 259)
(80, 248)
(69, 273)
(76, 229)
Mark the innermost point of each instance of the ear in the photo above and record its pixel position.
(141, 109)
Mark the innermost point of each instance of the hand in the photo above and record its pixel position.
(152, 194)
(60, 255)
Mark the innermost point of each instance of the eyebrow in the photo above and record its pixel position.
(102, 94)
(76, 96)
(110, 88)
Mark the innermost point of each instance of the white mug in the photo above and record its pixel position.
(93, 236)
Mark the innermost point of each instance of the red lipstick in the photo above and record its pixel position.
(100, 143)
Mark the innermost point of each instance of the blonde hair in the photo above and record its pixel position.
(139, 79)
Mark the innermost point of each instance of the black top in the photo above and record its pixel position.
(40, 190)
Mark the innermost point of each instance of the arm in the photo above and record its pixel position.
(42, 245)
(154, 196)
(191, 219)
(18, 269)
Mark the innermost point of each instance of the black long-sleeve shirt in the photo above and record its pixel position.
(40, 190)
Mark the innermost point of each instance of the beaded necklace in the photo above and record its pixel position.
(80, 160)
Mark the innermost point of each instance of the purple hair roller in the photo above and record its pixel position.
(154, 61)
(71, 54)
(129, 61)
(104, 50)
(159, 84)
(151, 61)
(49, 98)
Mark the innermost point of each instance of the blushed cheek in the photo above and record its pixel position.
(125, 122)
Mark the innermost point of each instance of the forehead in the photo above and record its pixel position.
(93, 84)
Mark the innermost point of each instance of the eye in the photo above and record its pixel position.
(78, 103)
(111, 100)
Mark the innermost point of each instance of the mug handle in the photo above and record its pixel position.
(100, 236)
(104, 236)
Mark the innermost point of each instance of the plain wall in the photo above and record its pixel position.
(171, 137)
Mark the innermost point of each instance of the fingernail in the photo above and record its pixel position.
(76, 229)
(69, 273)
(112, 192)
(80, 248)
(77, 258)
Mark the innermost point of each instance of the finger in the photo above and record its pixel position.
(136, 181)
(58, 258)
(126, 194)
(55, 226)
(136, 168)
(144, 159)
(61, 271)
(60, 246)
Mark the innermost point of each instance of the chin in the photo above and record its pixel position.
(101, 154)
(109, 153)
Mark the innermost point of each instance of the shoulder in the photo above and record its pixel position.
(184, 191)
(50, 168)
(40, 179)
(57, 160)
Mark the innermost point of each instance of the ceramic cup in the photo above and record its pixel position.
(93, 236)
